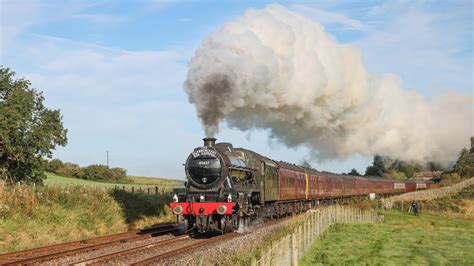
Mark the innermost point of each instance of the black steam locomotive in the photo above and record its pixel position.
(228, 186)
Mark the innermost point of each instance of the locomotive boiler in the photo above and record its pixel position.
(227, 187)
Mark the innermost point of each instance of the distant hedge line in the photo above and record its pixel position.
(92, 172)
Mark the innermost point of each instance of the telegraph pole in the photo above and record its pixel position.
(107, 158)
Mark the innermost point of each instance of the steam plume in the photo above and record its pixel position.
(273, 69)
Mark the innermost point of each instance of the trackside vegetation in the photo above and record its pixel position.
(36, 216)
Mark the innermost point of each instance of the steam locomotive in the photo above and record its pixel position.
(227, 187)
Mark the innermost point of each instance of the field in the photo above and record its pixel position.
(137, 182)
(401, 239)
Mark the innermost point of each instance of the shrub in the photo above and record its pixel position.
(102, 172)
(118, 174)
(54, 165)
(97, 172)
(450, 178)
(71, 170)
(395, 174)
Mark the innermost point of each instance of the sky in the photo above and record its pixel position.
(116, 69)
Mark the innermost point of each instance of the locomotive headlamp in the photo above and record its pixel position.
(201, 198)
(221, 209)
(175, 198)
(178, 210)
(229, 198)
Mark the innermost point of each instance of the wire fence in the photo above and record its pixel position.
(291, 248)
(146, 190)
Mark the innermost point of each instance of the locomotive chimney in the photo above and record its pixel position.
(209, 142)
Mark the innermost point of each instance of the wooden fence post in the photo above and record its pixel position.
(294, 250)
(156, 190)
(133, 189)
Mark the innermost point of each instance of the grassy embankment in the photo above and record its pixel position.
(136, 181)
(460, 205)
(36, 216)
(403, 238)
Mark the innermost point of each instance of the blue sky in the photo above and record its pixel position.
(115, 69)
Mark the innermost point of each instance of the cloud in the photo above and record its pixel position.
(410, 38)
(329, 18)
(101, 71)
(417, 39)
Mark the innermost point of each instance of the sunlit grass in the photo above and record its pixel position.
(143, 182)
(402, 239)
(37, 216)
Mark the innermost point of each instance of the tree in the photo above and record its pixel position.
(29, 131)
(306, 164)
(354, 172)
(408, 170)
(472, 146)
(462, 162)
(377, 168)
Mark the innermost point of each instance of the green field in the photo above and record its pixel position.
(137, 182)
(400, 240)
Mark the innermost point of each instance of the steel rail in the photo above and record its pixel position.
(127, 252)
(70, 248)
(182, 250)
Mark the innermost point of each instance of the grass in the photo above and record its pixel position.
(37, 216)
(143, 182)
(460, 205)
(160, 182)
(401, 239)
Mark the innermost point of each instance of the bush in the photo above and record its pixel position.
(97, 172)
(102, 172)
(119, 174)
(450, 178)
(54, 165)
(71, 170)
(395, 175)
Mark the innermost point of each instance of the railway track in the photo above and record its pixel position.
(182, 250)
(131, 248)
(38, 255)
(131, 251)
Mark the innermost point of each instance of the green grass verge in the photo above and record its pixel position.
(401, 239)
(37, 216)
(143, 182)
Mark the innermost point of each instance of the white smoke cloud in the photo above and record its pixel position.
(274, 69)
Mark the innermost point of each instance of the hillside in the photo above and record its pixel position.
(137, 182)
(460, 205)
